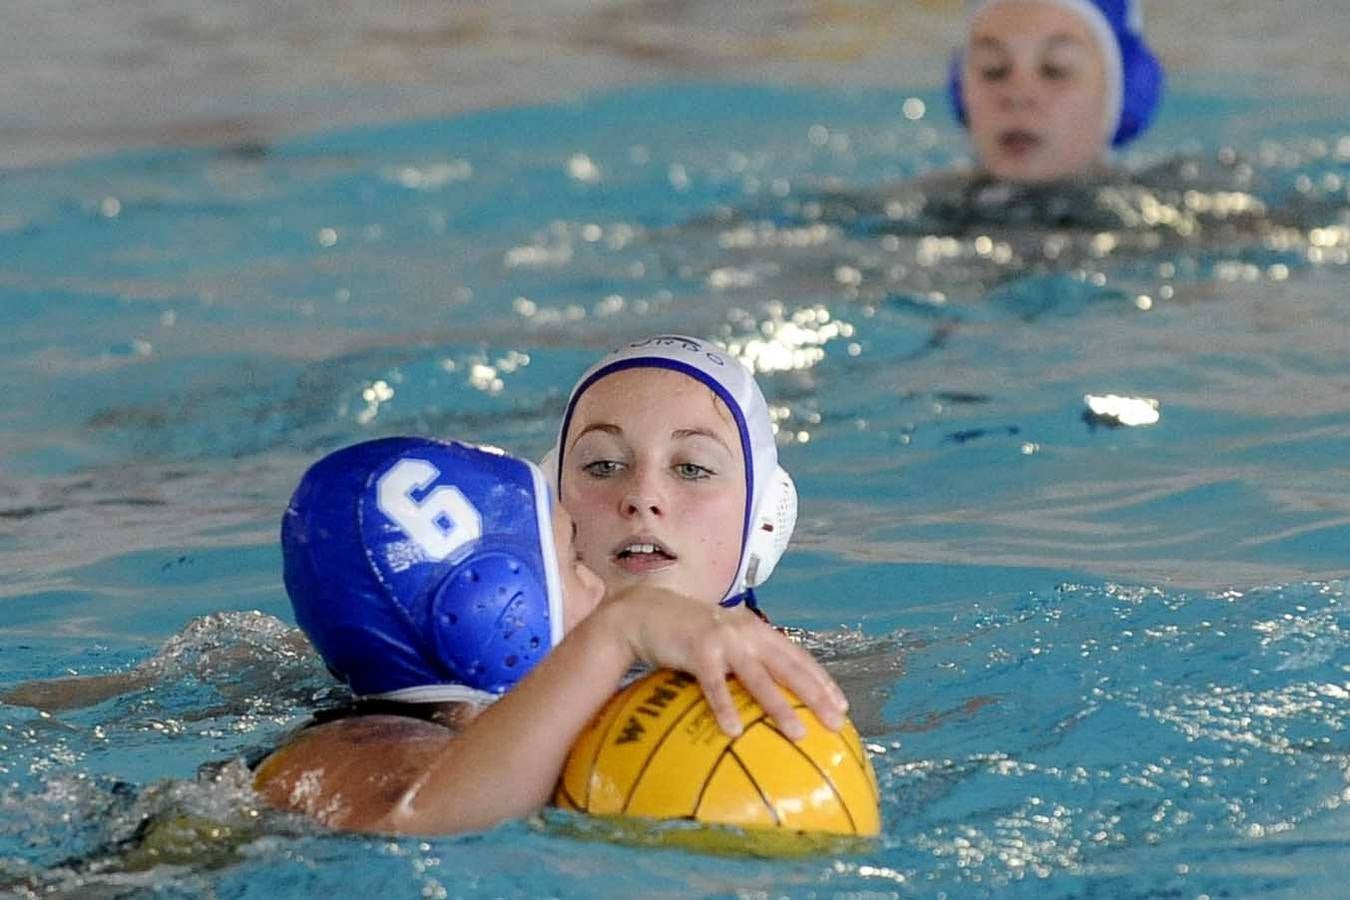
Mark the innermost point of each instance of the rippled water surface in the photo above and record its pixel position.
(1091, 659)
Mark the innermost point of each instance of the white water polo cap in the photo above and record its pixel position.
(770, 495)
(1134, 76)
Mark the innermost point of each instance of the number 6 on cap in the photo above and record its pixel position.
(441, 522)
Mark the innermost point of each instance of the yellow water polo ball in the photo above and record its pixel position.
(655, 750)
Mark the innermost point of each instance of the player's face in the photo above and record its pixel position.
(654, 473)
(582, 588)
(1033, 82)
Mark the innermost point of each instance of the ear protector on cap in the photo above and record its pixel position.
(485, 619)
(773, 527)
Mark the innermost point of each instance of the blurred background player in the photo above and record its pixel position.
(1048, 87)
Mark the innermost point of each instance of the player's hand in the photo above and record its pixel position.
(663, 628)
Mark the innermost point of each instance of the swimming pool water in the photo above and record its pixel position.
(1090, 660)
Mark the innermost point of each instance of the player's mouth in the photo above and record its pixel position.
(1017, 142)
(641, 554)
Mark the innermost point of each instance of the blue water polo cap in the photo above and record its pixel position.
(422, 570)
(1134, 75)
(770, 497)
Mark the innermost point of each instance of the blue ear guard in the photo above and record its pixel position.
(1141, 73)
(423, 570)
(1143, 87)
(486, 620)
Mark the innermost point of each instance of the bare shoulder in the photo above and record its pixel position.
(350, 772)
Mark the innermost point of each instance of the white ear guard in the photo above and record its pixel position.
(772, 528)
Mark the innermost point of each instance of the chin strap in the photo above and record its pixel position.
(747, 597)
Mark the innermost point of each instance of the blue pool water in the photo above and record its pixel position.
(1090, 660)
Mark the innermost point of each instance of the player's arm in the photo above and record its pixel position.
(506, 762)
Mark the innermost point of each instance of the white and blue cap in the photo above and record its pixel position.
(1134, 77)
(770, 496)
(424, 571)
